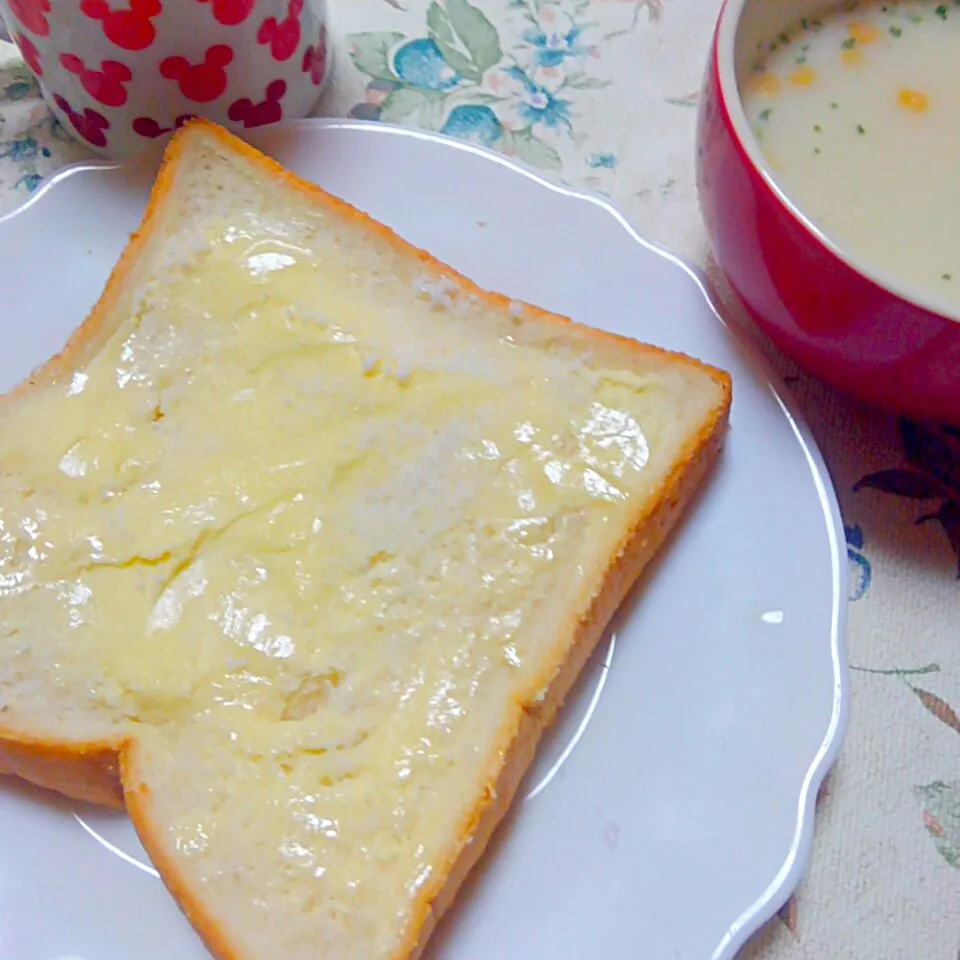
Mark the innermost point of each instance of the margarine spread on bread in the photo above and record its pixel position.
(306, 525)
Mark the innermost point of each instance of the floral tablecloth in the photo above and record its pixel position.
(603, 93)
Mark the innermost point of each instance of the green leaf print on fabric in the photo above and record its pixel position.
(404, 102)
(371, 52)
(527, 147)
(516, 87)
(580, 81)
(941, 799)
(941, 816)
(468, 41)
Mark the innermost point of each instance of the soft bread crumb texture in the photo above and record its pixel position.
(302, 525)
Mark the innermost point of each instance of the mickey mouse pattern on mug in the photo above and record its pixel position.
(120, 73)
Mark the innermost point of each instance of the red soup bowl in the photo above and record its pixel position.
(853, 328)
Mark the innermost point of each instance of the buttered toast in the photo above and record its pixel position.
(304, 539)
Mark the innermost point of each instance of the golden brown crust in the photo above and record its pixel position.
(137, 794)
(90, 330)
(83, 771)
(107, 773)
(638, 548)
(92, 327)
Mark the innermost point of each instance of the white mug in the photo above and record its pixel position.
(118, 74)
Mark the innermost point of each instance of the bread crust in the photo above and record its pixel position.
(137, 795)
(110, 772)
(85, 771)
(636, 551)
(90, 332)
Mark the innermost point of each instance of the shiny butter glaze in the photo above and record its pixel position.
(309, 556)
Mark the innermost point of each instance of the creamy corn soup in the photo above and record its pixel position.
(857, 111)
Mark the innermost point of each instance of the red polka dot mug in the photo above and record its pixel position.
(120, 73)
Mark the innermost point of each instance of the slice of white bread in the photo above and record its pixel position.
(303, 541)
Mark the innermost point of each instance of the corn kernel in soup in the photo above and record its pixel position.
(857, 111)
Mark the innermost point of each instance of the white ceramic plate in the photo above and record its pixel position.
(683, 817)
